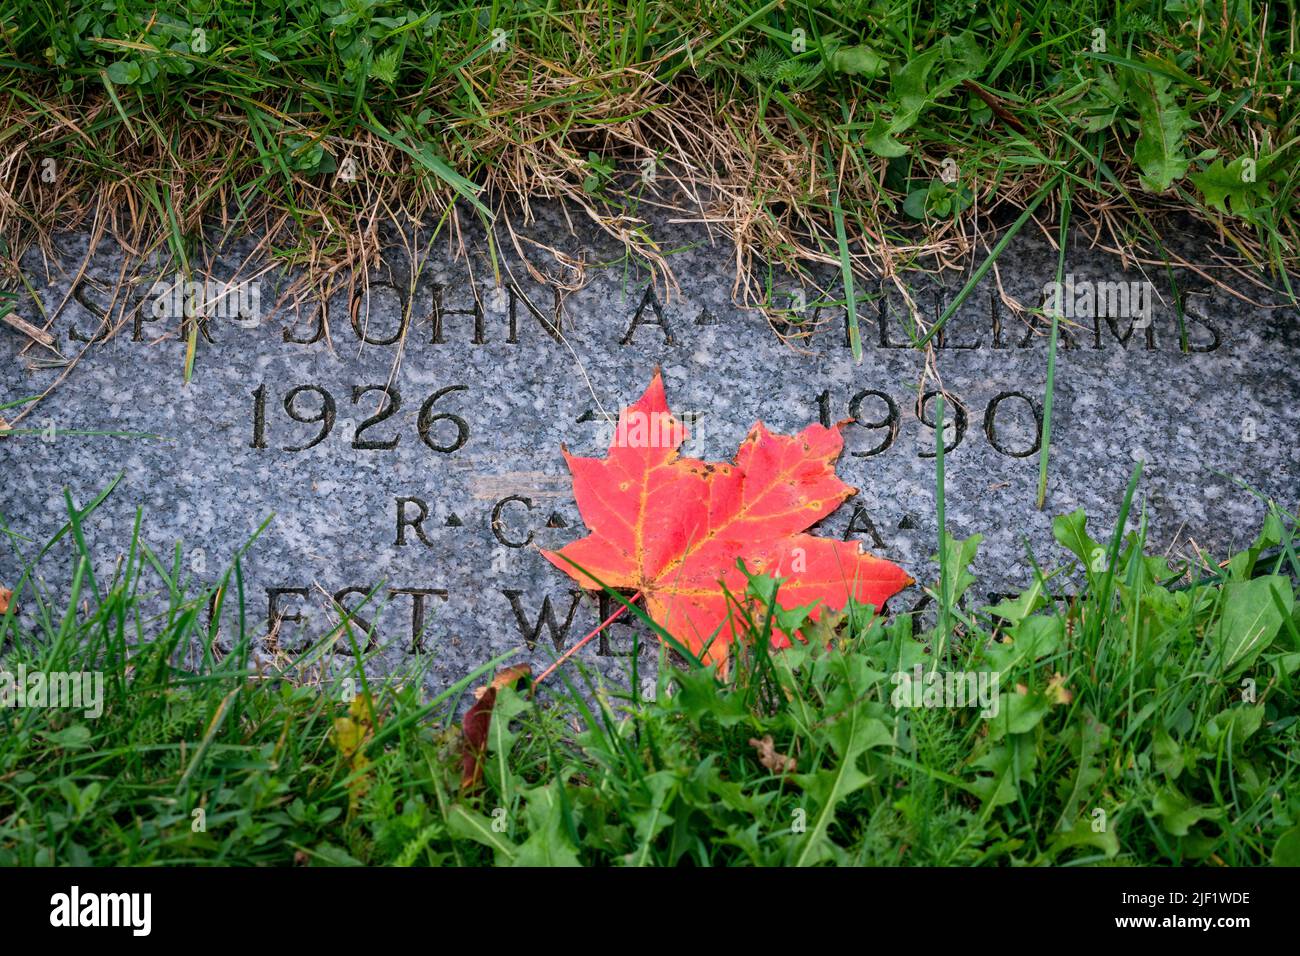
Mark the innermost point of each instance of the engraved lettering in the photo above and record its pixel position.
(638, 318)
(545, 618)
(498, 529)
(416, 523)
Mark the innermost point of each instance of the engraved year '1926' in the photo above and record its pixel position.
(441, 431)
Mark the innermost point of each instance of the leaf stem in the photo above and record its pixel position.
(578, 646)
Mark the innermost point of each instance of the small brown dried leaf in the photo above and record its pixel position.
(769, 758)
(1057, 692)
(5, 597)
(478, 719)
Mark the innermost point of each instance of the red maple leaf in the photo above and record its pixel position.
(673, 528)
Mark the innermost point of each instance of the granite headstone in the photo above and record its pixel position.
(405, 438)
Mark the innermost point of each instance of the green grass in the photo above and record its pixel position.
(852, 132)
(1146, 715)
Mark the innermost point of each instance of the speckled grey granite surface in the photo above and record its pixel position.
(466, 581)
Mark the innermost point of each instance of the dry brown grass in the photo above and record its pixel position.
(756, 182)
